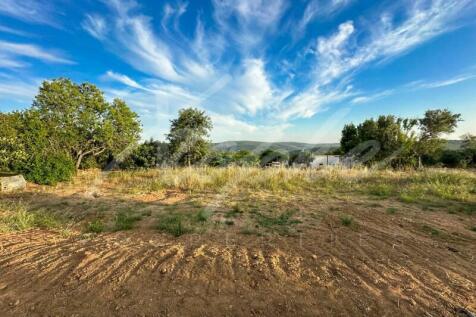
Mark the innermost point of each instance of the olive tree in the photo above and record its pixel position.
(82, 122)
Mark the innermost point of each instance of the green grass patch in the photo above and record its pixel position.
(430, 230)
(235, 212)
(96, 226)
(17, 217)
(473, 229)
(281, 224)
(392, 210)
(381, 190)
(346, 220)
(125, 220)
(180, 223)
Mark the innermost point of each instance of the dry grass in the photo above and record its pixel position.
(171, 199)
(409, 186)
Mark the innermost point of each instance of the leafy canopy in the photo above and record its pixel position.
(80, 120)
(188, 136)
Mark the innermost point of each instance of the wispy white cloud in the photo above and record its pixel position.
(319, 9)
(126, 80)
(228, 127)
(95, 25)
(31, 11)
(307, 103)
(17, 89)
(6, 29)
(172, 14)
(12, 54)
(423, 21)
(420, 84)
(372, 97)
(248, 22)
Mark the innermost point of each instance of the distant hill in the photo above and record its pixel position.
(319, 148)
(259, 147)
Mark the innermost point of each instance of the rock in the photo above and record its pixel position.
(452, 249)
(10, 182)
(3, 286)
(314, 256)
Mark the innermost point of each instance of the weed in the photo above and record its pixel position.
(203, 215)
(177, 223)
(233, 213)
(146, 213)
(473, 229)
(16, 217)
(280, 224)
(431, 230)
(96, 226)
(174, 225)
(346, 220)
(392, 210)
(229, 222)
(125, 220)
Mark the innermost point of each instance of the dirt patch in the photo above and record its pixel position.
(332, 271)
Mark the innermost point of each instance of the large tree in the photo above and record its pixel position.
(386, 131)
(188, 136)
(400, 141)
(79, 118)
(432, 126)
(12, 149)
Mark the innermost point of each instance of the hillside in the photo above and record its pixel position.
(257, 147)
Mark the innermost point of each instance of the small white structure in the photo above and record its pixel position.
(326, 160)
(10, 182)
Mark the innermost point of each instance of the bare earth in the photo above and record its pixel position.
(385, 266)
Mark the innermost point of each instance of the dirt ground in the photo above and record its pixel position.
(385, 264)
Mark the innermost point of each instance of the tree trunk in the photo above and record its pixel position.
(420, 164)
(78, 161)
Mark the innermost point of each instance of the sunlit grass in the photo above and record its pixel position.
(408, 186)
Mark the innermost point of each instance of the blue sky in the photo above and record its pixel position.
(277, 70)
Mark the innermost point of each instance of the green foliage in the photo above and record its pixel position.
(179, 223)
(393, 141)
(147, 155)
(346, 220)
(281, 223)
(175, 225)
(125, 220)
(66, 124)
(270, 155)
(17, 217)
(188, 136)
(96, 226)
(82, 122)
(239, 158)
(301, 157)
(350, 138)
(50, 169)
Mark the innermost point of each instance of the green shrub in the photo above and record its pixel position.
(50, 169)
(96, 226)
(346, 220)
(175, 225)
(125, 221)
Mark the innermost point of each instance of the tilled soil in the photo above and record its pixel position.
(381, 269)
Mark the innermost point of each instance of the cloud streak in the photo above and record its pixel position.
(13, 54)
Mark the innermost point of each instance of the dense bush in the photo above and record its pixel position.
(270, 155)
(50, 169)
(239, 158)
(147, 155)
